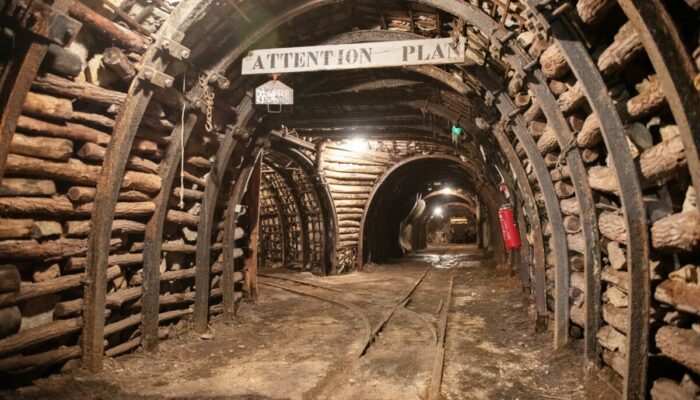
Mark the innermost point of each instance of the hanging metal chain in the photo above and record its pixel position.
(209, 102)
(561, 160)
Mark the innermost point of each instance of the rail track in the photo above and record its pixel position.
(336, 375)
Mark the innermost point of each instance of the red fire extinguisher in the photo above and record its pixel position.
(511, 235)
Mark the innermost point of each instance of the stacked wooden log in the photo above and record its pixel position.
(290, 216)
(47, 194)
(351, 177)
(311, 209)
(271, 229)
(661, 165)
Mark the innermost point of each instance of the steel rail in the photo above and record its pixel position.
(400, 304)
(325, 388)
(110, 179)
(330, 289)
(349, 306)
(639, 292)
(439, 363)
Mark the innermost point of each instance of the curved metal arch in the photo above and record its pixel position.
(533, 215)
(561, 305)
(288, 181)
(489, 193)
(153, 235)
(17, 79)
(461, 205)
(109, 182)
(525, 194)
(206, 214)
(248, 166)
(325, 200)
(674, 68)
(283, 225)
(444, 192)
(612, 129)
(287, 15)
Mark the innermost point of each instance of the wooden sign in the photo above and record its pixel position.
(355, 56)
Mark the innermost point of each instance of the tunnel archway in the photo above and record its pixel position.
(311, 203)
(392, 198)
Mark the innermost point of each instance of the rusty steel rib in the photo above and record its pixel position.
(675, 69)
(230, 222)
(109, 183)
(153, 236)
(325, 201)
(561, 277)
(301, 212)
(206, 215)
(540, 290)
(639, 292)
(17, 79)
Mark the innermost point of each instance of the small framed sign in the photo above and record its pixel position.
(274, 93)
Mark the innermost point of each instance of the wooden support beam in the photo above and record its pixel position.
(250, 265)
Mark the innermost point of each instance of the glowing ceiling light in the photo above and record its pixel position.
(356, 145)
(448, 190)
(438, 211)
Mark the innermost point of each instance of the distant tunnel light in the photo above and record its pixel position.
(438, 211)
(357, 145)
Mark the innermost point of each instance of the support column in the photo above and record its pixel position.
(250, 265)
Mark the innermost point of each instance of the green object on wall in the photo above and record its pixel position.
(456, 133)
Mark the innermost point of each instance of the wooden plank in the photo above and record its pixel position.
(250, 265)
(354, 56)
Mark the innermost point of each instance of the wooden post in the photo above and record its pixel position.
(250, 265)
(479, 227)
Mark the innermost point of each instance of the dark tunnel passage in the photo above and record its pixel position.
(393, 202)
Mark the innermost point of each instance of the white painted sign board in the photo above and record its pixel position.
(274, 93)
(355, 56)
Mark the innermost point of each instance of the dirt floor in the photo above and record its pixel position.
(365, 335)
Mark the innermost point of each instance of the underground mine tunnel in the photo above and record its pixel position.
(349, 199)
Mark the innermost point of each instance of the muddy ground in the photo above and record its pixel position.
(305, 342)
